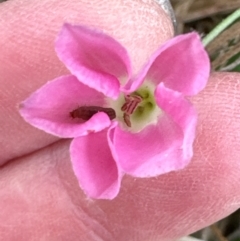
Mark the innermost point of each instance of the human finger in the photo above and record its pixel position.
(28, 59)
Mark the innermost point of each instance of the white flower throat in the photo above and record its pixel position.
(138, 109)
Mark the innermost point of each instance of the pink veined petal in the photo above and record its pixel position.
(49, 108)
(155, 150)
(94, 166)
(181, 112)
(95, 58)
(182, 64)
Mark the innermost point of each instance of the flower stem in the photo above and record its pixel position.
(221, 27)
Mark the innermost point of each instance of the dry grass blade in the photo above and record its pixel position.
(181, 10)
(218, 233)
(202, 9)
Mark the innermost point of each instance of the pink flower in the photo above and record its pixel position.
(139, 125)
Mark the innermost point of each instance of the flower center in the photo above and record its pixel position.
(130, 105)
(137, 110)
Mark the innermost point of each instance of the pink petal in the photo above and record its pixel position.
(153, 151)
(160, 148)
(49, 108)
(182, 64)
(95, 58)
(181, 112)
(94, 166)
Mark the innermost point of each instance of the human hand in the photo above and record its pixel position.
(40, 196)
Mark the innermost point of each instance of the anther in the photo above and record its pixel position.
(126, 119)
(130, 105)
(86, 112)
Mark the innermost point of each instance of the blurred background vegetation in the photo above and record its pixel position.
(203, 16)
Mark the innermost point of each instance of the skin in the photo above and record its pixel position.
(39, 195)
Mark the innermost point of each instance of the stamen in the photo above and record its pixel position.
(124, 107)
(126, 118)
(131, 103)
(130, 106)
(86, 112)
